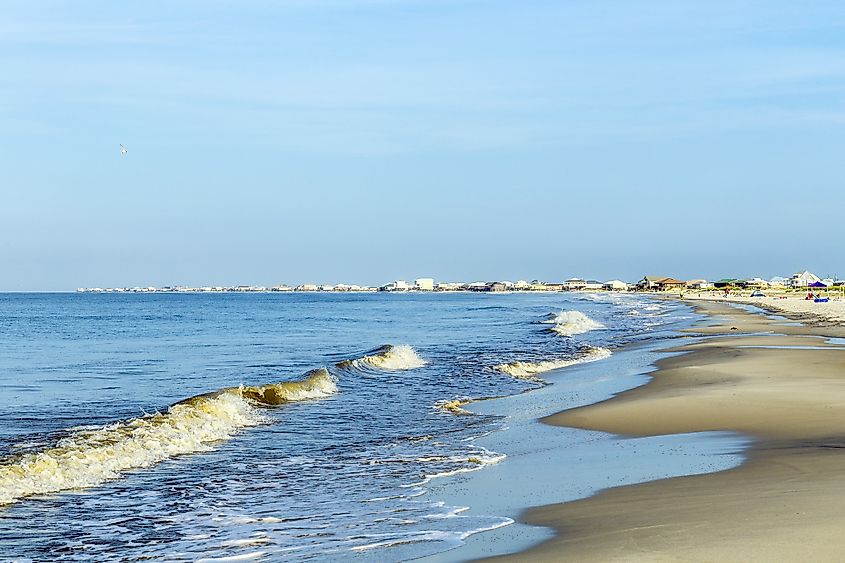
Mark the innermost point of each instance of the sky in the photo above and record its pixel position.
(362, 141)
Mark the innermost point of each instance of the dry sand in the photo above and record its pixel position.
(785, 503)
(792, 304)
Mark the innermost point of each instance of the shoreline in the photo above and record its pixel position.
(747, 374)
(591, 461)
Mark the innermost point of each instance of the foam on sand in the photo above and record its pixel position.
(529, 370)
(91, 456)
(389, 357)
(570, 323)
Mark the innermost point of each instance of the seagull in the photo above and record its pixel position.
(123, 150)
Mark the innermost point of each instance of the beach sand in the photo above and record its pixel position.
(781, 384)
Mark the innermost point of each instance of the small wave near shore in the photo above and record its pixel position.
(389, 357)
(529, 370)
(91, 456)
(570, 323)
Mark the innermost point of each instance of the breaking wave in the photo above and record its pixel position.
(388, 357)
(570, 323)
(91, 456)
(529, 370)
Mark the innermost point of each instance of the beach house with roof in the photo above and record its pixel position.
(727, 282)
(802, 279)
(574, 283)
(654, 283)
(649, 282)
(615, 285)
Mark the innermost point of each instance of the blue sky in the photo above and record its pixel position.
(369, 140)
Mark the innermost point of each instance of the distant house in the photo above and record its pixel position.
(521, 285)
(699, 284)
(476, 286)
(496, 287)
(551, 286)
(757, 283)
(667, 284)
(424, 284)
(802, 279)
(593, 285)
(615, 285)
(398, 285)
(726, 282)
(306, 287)
(653, 283)
(649, 282)
(574, 283)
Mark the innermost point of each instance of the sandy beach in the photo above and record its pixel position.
(777, 382)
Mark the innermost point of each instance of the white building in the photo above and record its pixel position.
(574, 283)
(398, 285)
(521, 285)
(803, 279)
(615, 285)
(424, 284)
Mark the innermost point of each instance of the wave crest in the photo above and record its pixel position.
(529, 370)
(389, 357)
(316, 385)
(91, 456)
(570, 323)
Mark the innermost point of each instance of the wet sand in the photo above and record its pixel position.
(784, 503)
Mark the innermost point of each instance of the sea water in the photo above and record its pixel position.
(272, 426)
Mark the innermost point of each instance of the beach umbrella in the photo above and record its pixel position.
(817, 284)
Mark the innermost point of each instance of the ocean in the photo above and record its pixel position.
(295, 426)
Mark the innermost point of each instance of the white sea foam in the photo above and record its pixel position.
(529, 370)
(391, 358)
(435, 535)
(570, 323)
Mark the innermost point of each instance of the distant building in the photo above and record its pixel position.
(756, 283)
(615, 285)
(649, 282)
(574, 283)
(306, 287)
(593, 285)
(521, 285)
(653, 283)
(803, 279)
(398, 285)
(424, 284)
(699, 284)
(476, 286)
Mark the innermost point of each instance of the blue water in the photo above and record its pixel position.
(339, 477)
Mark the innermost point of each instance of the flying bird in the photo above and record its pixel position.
(123, 150)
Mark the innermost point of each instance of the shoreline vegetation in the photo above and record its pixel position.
(775, 381)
